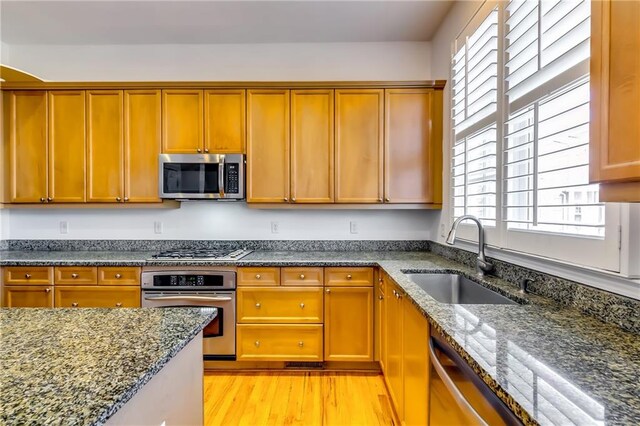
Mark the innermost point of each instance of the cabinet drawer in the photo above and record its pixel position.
(258, 276)
(76, 275)
(28, 275)
(280, 305)
(358, 277)
(97, 297)
(302, 276)
(27, 296)
(279, 342)
(118, 275)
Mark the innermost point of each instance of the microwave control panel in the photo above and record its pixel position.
(232, 178)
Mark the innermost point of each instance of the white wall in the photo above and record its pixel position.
(263, 62)
(223, 221)
(225, 62)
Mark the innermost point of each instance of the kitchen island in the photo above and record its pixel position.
(99, 366)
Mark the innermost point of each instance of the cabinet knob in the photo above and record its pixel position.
(27, 276)
(258, 305)
(199, 150)
(49, 199)
(301, 343)
(42, 199)
(302, 306)
(293, 199)
(47, 290)
(118, 305)
(258, 276)
(387, 199)
(349, 276)
(206, 150)
(74, 304)
(118, 199)
(118, 276)
(302, 276)
(257, 343)
(74, 275)
(380, 297)
(328, 290)
(126, 199)
(286, 199)
(379, 200)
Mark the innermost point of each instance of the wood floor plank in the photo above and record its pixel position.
(305, 398)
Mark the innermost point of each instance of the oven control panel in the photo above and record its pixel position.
(186, 279)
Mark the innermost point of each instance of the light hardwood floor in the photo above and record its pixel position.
(296, 398)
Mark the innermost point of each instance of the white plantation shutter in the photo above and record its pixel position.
(474, 111)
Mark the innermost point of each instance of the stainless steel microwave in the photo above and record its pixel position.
(202, 176)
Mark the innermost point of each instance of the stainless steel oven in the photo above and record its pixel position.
(202, 176)
(198, 287)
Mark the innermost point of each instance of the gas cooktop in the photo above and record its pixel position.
(201, 254)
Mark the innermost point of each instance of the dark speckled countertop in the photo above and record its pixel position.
(79, 366)
(550, 363)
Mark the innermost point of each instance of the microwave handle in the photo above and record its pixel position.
(221, 173)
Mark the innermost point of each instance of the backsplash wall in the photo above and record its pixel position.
(219, 221)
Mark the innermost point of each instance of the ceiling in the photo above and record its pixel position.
(210, 22)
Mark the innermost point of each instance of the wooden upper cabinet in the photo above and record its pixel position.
(67, 148)
(27, 127)
(312, 170)
(182, 121)
(615, 98)
(359, 145)
(104, 146)
(413, 146)
(225, 121)
(268, 119)
(142, 139)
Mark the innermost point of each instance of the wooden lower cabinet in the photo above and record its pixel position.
(381, 320)
(27, 296)
(27, 275)
(279, 305)
(279, 342)
(348, 324)
(393, 334)
(97, 297)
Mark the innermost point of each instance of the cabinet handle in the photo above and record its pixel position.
(118, 276)
(258, 276)
(47, 290)
(27, 276)
(301, 343)
(42, 199)
(328, 290)
(258, 305)
(118, 305)
(199, 150)
(74, 276)
(126, 199)
(74, 304)
(394, 292)
(118, 199)
(349, 276)
(49, 199)
(302, 276)
(302, 306)
(257, 343)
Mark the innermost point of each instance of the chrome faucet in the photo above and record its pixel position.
(482, 266)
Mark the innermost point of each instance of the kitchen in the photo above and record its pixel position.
(419, 213)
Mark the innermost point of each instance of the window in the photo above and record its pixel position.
(520, 158)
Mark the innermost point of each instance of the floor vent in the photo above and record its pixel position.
(304, 365)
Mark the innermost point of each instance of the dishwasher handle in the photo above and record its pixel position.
(452, 388)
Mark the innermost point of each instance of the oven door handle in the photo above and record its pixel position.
(190, 298)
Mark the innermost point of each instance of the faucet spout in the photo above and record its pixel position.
(482, 266)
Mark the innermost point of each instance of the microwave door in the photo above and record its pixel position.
(182, 178)
(211, 180)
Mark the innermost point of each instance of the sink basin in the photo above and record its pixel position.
(459, 290)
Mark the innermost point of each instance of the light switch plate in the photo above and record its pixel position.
(275, 227)
(64, 227)
(157, 227)
(353, 227)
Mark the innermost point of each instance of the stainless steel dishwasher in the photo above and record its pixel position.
(457, 395)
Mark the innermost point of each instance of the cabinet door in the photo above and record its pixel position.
(268, 146)
(67, 148)
(413, 146)
(27, 297)
(348, 324)
(142, 139)
(225, 121)
(359, 147)
(615, 91)
(182, 121)
(279, 342)
(393, 331)
(97, 297)
(415, 365)
(27, 127)
(312, 146)
(382, 301)
(104, 146)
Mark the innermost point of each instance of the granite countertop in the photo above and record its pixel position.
(79, 366)
(551, 364)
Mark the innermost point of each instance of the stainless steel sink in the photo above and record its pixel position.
(457, 289)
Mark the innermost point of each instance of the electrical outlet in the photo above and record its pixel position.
(64, 227)
(157, 227)
(443, 229)
(275, 227)
(353, 227)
